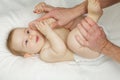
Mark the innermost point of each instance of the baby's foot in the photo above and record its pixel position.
(43, 27)
(49, 21)
(42, 7)
(94, 10)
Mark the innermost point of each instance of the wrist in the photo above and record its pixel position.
(106, 47)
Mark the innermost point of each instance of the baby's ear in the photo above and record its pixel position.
(26, 55)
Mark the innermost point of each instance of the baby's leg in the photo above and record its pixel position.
(94, 10)
(42, 7)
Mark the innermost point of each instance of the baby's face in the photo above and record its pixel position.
(27, 40)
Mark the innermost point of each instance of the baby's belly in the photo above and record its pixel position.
(74, 46)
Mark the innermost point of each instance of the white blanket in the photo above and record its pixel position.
(15, 13)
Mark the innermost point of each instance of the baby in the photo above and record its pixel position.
(52, 45)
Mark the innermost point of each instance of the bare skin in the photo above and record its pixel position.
(54, 49)
(47, 53)
(42, 7)
(65, 15)
(97, 40)
(94, 13)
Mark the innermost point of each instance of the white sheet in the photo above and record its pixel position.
(15, 13)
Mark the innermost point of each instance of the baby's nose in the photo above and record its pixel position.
(30, 36)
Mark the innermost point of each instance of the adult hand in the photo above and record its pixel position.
(62, 16)
(94, 36)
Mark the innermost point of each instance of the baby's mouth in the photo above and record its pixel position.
(37, 38)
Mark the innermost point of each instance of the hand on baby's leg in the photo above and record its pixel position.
(93, 34)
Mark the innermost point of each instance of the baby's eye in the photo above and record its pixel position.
(28, 31)
(26, 42)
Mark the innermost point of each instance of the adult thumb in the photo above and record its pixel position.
(32, 26)
(47, 15)
(54, 24)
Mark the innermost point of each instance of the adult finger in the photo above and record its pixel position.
(86, 25)
(47, 15)
(54, 24)
(93, 24)
(82, 42)
(82, 31)
(32, 26)
(90, 21)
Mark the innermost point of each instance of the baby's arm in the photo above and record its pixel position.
(56, 43)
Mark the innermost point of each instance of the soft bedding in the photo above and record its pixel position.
(18, 13)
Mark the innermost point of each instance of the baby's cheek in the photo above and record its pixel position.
(31, 45)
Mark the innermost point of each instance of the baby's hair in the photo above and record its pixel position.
(9, 44)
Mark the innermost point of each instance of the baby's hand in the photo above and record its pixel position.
(43, 27)
(43, 7)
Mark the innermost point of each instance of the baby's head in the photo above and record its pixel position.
(25, 41)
